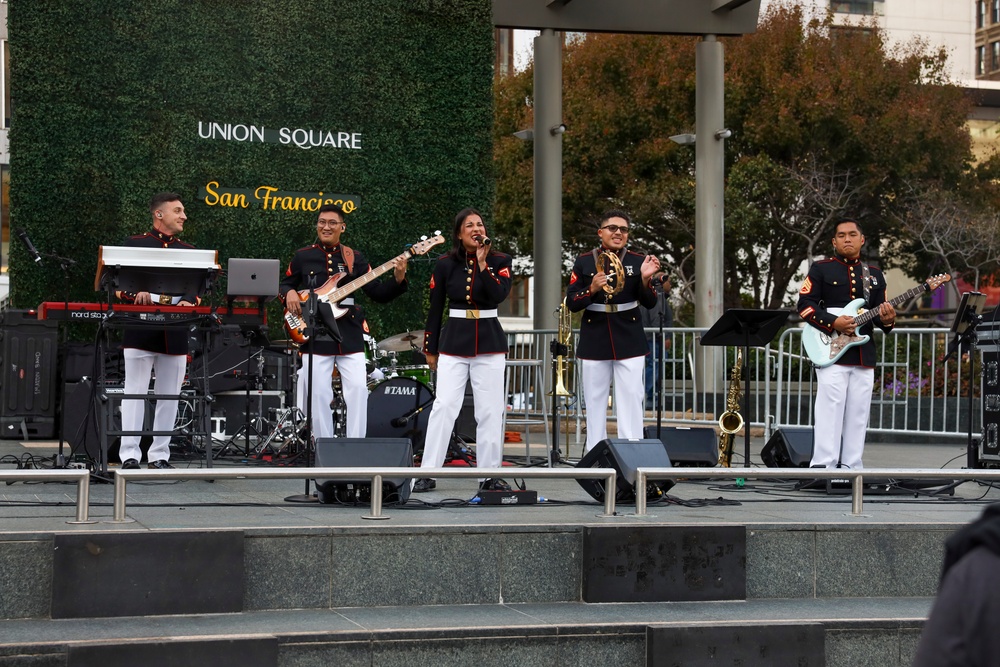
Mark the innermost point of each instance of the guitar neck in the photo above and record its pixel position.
(341, 292)
(869, 315)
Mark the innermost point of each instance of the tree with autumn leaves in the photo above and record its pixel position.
(826, 122)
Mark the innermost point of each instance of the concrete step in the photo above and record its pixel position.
(766, 632)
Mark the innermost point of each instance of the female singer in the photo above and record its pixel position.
(472, 280)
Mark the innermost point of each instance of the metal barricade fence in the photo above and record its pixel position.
(915, 392)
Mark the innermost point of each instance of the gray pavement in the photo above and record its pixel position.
(260, 504)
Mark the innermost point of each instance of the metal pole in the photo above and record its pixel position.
(548, 177)
(709, 166)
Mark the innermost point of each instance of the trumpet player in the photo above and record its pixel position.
(608, 284)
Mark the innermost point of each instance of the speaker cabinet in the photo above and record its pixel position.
(625, 456)
(688, 447)
(789, 448)
(28, 391)
(363, 453)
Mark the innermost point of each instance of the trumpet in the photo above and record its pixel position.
(561, 349)
(610, 265)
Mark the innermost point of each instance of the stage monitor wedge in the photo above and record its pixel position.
(789, 447)
(687, 447)
(363, 453)
(625, 456)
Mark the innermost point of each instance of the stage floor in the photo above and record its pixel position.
(260, 504)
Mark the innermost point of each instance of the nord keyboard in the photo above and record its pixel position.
(86, 311)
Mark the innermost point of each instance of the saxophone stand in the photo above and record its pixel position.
(745, 328)
(317, 324)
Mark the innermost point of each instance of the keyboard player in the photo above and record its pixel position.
(148, 348)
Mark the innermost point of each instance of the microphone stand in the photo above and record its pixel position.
(64, 265)
(659, 367)
(311, 313)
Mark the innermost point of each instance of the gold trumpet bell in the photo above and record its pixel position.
(610, 265)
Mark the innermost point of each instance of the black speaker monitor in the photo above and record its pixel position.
(688, 447)
(625, 456)
(363, 453)
(789, 447)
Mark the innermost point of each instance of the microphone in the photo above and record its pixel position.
(482, 240)
(23, 235)
(401, 421)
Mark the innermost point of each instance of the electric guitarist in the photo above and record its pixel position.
(844, 389)
(311, 267)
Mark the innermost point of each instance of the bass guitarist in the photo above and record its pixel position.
(844, 389)
(311, 267)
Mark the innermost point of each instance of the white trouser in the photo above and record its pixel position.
(487, 373)
(843, 402)
(353, 382)
(139, 365)
(630, 394)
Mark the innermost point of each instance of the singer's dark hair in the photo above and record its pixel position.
(161, 198)
(457, 249)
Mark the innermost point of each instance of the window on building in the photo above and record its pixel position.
(863, 7)
(995, 11)
(980, 13)
(980, 60)
(4, 216)
(5, 84)
(516, 304)
(994, 56)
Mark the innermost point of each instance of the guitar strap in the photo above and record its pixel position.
(866, 278)
(348, 256)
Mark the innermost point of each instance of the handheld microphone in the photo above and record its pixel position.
(482, 240)
(23, 235)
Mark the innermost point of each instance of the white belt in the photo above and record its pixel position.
(473, 314)
(613, 307)
(165, 299)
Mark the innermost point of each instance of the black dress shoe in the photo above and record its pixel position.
(130, 464)
(159, 465)
(424, 485)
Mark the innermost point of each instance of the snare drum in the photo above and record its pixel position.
(393, 410)
(418, 373)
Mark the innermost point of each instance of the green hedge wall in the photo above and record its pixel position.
(107, 98)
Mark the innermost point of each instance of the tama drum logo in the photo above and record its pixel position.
(401, 391)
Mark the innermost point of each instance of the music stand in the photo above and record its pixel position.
(745, 328)
(967, 318)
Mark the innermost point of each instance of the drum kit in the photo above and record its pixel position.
(399, 401)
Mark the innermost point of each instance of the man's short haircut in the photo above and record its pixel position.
(333, 208)
(844, 221)
(162, 198)
(614, 213)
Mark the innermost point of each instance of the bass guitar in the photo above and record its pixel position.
(331, 294)
(825, 348)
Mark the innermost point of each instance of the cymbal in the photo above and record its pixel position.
(408, 340)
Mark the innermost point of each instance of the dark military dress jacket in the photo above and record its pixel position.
(834, 283)
(610, 335)
(321, 263)
(457, 283)
(170, 339)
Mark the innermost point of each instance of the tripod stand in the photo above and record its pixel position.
(255, 340)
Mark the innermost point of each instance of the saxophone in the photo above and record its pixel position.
(731, 421)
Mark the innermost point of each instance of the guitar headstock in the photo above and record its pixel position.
(936, 281)
(425, 244)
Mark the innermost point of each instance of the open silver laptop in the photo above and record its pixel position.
(252, 278)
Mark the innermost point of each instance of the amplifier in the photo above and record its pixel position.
(515, 497)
